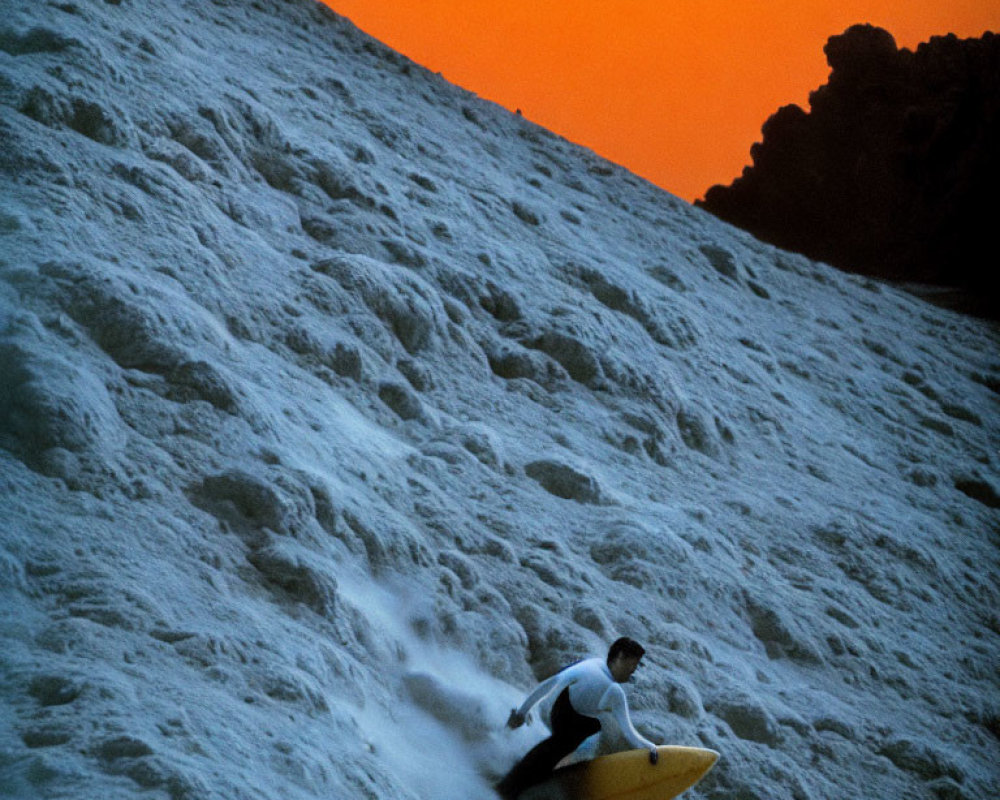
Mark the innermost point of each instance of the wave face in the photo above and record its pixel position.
(339, 406)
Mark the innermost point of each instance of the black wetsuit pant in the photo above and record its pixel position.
(569, 729)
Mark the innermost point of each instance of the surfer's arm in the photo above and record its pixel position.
(520, 714)
(615, 699)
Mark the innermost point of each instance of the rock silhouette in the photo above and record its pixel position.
(892, 172)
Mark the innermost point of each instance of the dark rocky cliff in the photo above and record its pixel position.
(893, 171)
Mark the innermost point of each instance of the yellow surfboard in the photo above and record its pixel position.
(628, 776)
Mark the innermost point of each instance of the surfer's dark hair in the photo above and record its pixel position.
(625, 647)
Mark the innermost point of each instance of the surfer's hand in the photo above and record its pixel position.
(654, 755)
(515, 720)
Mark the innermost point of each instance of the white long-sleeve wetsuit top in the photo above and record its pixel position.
(592, 692)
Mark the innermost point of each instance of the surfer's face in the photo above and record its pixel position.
(622, 667)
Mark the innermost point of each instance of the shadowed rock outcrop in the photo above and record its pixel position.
(892, 172)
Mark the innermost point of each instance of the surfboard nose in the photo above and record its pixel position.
(684, 767)
(695, 757)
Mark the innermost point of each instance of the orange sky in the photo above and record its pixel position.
(675, 90)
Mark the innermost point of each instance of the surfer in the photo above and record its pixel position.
(587, 690)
